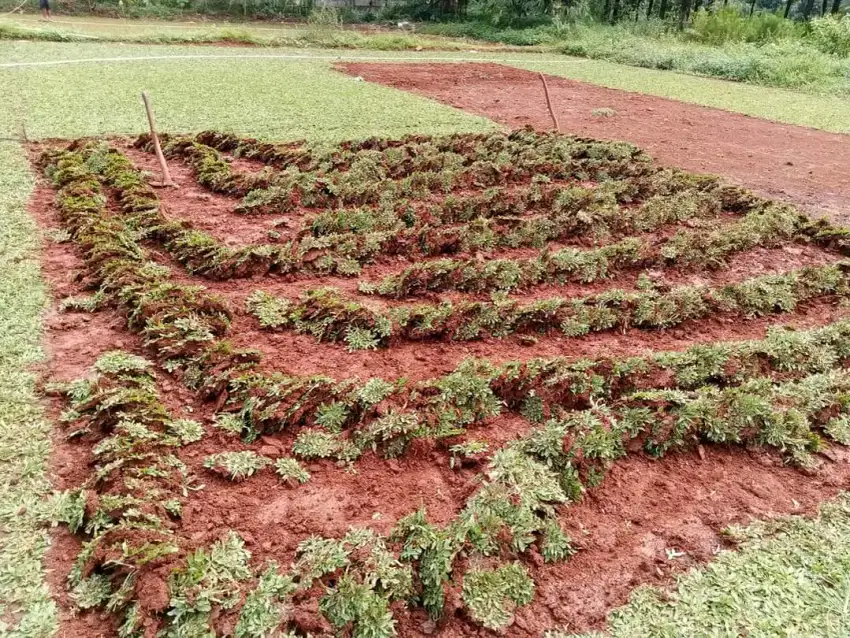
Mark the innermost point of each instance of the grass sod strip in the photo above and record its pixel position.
(329, 316)
(202, 254)
(596, 211)
(26, 607)
(770, 226)
(128, 507)
(179, 322)
(477, 390)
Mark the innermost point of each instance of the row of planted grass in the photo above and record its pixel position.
(391, 179)
(328, 316)
(791, 385)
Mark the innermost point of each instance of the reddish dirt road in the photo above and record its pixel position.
(807, 167)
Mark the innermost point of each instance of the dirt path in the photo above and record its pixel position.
(805, 166)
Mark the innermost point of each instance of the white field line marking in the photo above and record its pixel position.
(14, 65)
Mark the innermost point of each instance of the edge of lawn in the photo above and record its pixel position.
(789, 577)
(26, 608)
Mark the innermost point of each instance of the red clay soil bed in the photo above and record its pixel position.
(621, 529)
(801, 165)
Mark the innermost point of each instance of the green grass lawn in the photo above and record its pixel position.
(276, 98)
(26, 609)
(272, 98)
(308, 91)
(789, 579)
(90, 29)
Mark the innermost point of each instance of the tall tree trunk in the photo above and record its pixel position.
(823, 8)
(685, 13)
(637, 10)
(836, 6)
(606, 11)
(615, 12)
(662, 10)
(752, 7)
(788, 5)
(807, 9)
(649, 9)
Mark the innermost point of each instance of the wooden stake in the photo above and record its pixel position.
(166, 175)
(549, 103)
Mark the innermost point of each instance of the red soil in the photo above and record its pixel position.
(623, 528)
(798, 164)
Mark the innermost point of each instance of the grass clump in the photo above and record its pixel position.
(290, 471)
(237, 466)
(492, 595)
(367, 577)
(656, 306)
(265, 609)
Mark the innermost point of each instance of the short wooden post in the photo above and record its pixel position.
(549, 103)
(166, 175)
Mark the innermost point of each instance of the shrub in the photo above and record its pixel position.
(729, 25)
(831, 34)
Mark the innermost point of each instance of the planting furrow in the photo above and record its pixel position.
(417, 153)
(178, 321)
(353, 416)
(611, 207)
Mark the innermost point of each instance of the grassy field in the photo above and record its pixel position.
(276, 98)
(220, 88)
(273, 98)
(26, 609)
